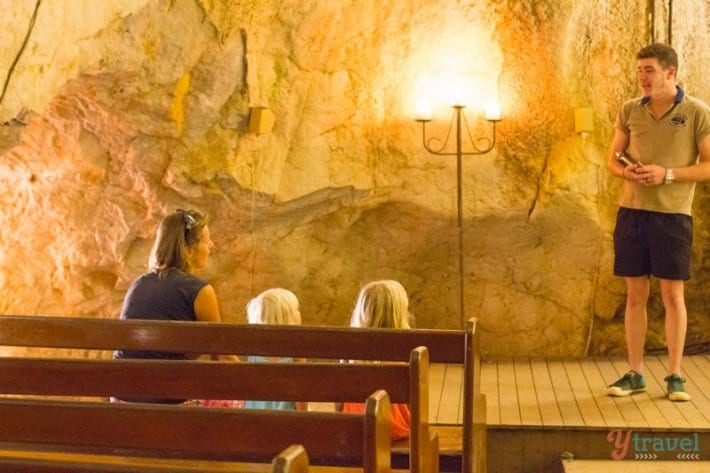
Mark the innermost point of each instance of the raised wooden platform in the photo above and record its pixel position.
(540, 408)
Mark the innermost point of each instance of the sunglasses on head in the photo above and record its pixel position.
(189, 217)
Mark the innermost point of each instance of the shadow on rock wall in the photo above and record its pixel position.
(530, 282)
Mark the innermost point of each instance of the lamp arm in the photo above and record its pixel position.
(430, 144)
(481, 145)
(486, 143)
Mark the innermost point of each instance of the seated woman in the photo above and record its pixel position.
(170, 290)
(277, 307)
(384, 304)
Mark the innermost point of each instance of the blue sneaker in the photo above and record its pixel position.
(632, 382)
(675, 388)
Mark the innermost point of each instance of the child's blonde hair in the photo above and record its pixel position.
(382, 304)
(275, 307)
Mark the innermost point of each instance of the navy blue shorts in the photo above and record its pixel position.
(652, 244)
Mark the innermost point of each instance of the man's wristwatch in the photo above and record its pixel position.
(669, 176)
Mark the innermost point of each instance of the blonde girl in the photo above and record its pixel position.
(275, 306)
(384, 304)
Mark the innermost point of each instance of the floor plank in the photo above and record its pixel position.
(489, 386)
(583, 394)
(527, 396)
(437, 372)
(510, 409)
(565, 397)
(698, 385)
(549, 409)
(613, 418)
(451, 398)
(703, 364)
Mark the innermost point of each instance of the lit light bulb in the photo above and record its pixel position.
(493, 111)
(423, 110)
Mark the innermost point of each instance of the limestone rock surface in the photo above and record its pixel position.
(143, 107)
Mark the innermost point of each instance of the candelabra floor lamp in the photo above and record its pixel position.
(458, 120)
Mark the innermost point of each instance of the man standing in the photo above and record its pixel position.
(668, 132)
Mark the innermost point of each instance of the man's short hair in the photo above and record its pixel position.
(666, 55)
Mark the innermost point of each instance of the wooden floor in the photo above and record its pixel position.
(572, 393)
(540, 409)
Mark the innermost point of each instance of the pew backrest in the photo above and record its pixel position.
(194, 432)
(178, 379)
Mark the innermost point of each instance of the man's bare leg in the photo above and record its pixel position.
(635, 319)
(672, 293)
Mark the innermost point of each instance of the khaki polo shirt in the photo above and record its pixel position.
(671, 142)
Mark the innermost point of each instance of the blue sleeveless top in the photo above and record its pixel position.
(271, 405)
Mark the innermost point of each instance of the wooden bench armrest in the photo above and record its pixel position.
(293, 459)
(433, 453)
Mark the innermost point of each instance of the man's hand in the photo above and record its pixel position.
(646, 174)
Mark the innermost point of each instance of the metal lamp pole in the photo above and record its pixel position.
(459, 120)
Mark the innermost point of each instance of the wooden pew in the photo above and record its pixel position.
(292, 460)
(72, 434)
(178, 379)
(445, 346)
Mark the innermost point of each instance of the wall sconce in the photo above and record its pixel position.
(261, 120)
(493, 116)
(583, 121)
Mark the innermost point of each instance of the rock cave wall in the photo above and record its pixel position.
(116, 113)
